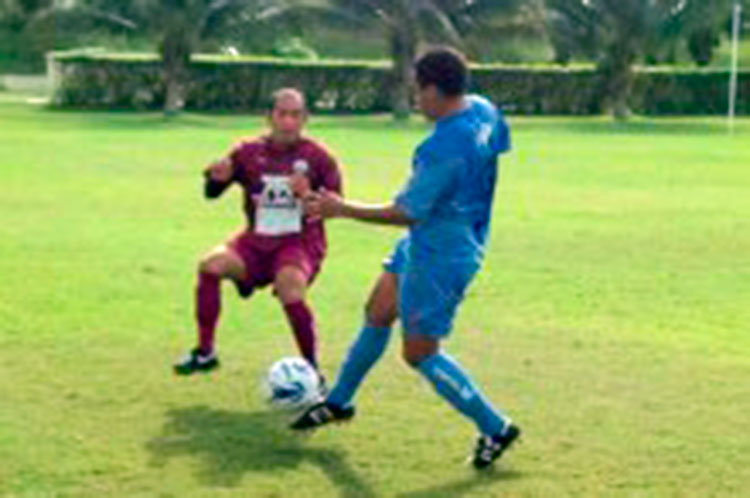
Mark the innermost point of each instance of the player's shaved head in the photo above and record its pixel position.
(288, 115)
(288, 96)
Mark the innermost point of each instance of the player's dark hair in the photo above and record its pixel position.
(444, 67)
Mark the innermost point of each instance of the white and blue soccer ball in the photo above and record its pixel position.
(292, 384)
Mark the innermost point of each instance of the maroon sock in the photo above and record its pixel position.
(207, 307)
(303, 323)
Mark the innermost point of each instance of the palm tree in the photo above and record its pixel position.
(180, 27)
(183, 26)
(617, 34)
(704, 26)
(408, 23)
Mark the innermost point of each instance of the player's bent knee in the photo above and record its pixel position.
(289, 295)
(413, 359)
(210, 265)
(417, 350)
(290, 284)
(221, 264)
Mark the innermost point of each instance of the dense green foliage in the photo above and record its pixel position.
(132, 81)
(618, 34)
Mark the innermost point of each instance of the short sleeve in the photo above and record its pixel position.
(237, 157)
(330, 173)
(500, 138)
(431, 179)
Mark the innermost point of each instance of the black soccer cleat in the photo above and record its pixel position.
(196, 361)
(490, 448)
(321, 414)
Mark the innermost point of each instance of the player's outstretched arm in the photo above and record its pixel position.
(218, 177)
(330, 205)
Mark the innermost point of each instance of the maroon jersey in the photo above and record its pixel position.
(258, 162)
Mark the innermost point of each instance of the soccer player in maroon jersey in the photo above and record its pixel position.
(280, 245)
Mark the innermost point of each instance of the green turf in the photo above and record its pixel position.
(611, 319)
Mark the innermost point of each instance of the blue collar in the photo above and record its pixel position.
(452, 116)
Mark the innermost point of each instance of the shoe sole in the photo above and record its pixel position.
(336, 421)
(489, 465)
(187, 373)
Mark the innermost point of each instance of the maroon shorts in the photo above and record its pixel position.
(264, 259)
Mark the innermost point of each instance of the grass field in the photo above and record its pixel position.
(611, 319)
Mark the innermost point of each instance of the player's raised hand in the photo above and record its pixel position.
(300, 185)
(324, 204)
(220, 171)
(311, 204)
(331, 204)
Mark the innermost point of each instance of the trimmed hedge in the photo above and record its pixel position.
(92, 79)
(685, 91)
(540, 90)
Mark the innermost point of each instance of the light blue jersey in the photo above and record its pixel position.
(453, 180)
(449, 195)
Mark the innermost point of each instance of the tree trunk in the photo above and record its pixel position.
(174, 100)
(617, 78)
(175, 51)
(403, 41)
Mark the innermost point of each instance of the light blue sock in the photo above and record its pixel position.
(456, 387)
(362, 355)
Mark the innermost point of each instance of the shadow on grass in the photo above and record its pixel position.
(231, 444)
(460, 487)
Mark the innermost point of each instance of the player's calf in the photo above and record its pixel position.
(381, 310)
(221, 262)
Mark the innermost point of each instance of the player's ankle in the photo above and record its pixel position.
(337, 407)
(204, 351)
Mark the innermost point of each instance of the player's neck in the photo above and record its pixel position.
(451, 106)
(279, 142)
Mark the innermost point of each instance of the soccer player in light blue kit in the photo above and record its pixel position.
(447, 205)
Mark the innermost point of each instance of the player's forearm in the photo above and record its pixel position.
(213, 189)
(218, 176)
(388, 214)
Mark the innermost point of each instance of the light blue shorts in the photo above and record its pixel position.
(429, 292)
